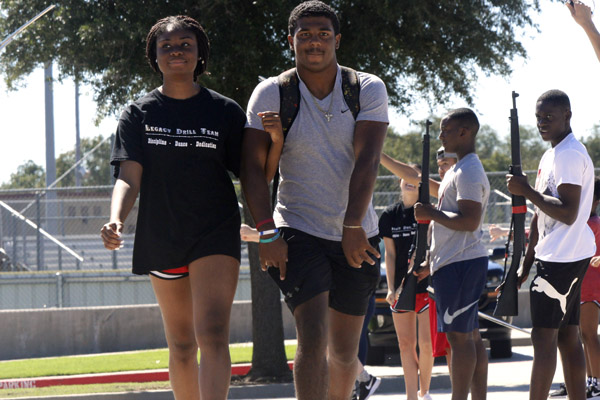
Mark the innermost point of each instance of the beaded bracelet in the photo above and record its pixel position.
(269, 232)
(271, 239)
(265, 221)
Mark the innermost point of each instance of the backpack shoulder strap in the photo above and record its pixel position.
(289, 103)
(351, 90)
(289, 98)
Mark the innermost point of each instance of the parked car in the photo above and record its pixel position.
(382, 335)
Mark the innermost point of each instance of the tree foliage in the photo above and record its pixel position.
(94, 171)
(493, 151)
(28, 175)
(592, 143)
(420, 49)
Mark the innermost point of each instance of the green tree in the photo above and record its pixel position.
(592, 143)
(28, 175)
(408, 147)
(421, 49)
(95, 170)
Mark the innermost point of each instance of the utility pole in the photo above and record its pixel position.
(51, 205)
(77, 136)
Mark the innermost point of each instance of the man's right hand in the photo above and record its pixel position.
(274, 254)
(111, 235)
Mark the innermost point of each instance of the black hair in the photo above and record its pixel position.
(597, 188)
(178, 22)
(557, 98)
(312, 8)
(466, 117)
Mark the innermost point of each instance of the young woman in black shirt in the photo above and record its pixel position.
(175, 147)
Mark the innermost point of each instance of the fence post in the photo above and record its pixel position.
(59, 290)
(24, 244)
(38, 234)
(1, 231)
(14, 238)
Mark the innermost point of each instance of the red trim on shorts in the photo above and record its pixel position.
(172, 273)
(176, 271)
(421, 304)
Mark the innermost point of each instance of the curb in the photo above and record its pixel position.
(111, 377)
(389, 385)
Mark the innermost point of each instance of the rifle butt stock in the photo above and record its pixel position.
(407, 298)
(507, 303)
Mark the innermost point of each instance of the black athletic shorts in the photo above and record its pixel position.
(555, 293)
(318, 265)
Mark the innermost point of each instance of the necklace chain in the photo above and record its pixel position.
(328, 115)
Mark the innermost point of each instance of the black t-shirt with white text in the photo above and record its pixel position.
(186, 148)
(399, 224)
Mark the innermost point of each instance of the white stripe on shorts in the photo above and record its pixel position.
(162, 275)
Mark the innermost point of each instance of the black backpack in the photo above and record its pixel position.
(289, 103)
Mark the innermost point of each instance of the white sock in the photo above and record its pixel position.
(363, 376)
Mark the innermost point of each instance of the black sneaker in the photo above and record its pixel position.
(593, 391)
(560, 392)
(354, 395)
(366, 389)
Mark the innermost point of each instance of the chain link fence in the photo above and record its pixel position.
(51, 254)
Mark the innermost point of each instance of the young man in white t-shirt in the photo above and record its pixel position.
(320, 246)
(560, 243)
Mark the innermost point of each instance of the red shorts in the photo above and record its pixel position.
(590, 287)
(439, 342)
(172, 273)
(421, 303)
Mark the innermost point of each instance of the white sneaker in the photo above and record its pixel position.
(426, 396)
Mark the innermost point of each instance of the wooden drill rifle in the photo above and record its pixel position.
(408, 290)
(508, 295)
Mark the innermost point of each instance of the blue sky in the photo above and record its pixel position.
(560, 57)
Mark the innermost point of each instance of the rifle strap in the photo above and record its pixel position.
(519, 209)
(289, 104)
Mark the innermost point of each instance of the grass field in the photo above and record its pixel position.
(89, 364)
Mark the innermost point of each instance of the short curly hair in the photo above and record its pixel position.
(312, 8)
(465, 116)
(179, 22)
(555, 97)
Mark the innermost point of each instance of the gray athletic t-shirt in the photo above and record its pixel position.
(318, 155)
(465, 181)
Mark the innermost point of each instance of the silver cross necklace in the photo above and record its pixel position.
(328, 115)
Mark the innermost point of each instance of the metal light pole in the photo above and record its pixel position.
(77, 135)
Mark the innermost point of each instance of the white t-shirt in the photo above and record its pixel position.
(464, 181)
(567, 163)
(317, 160)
